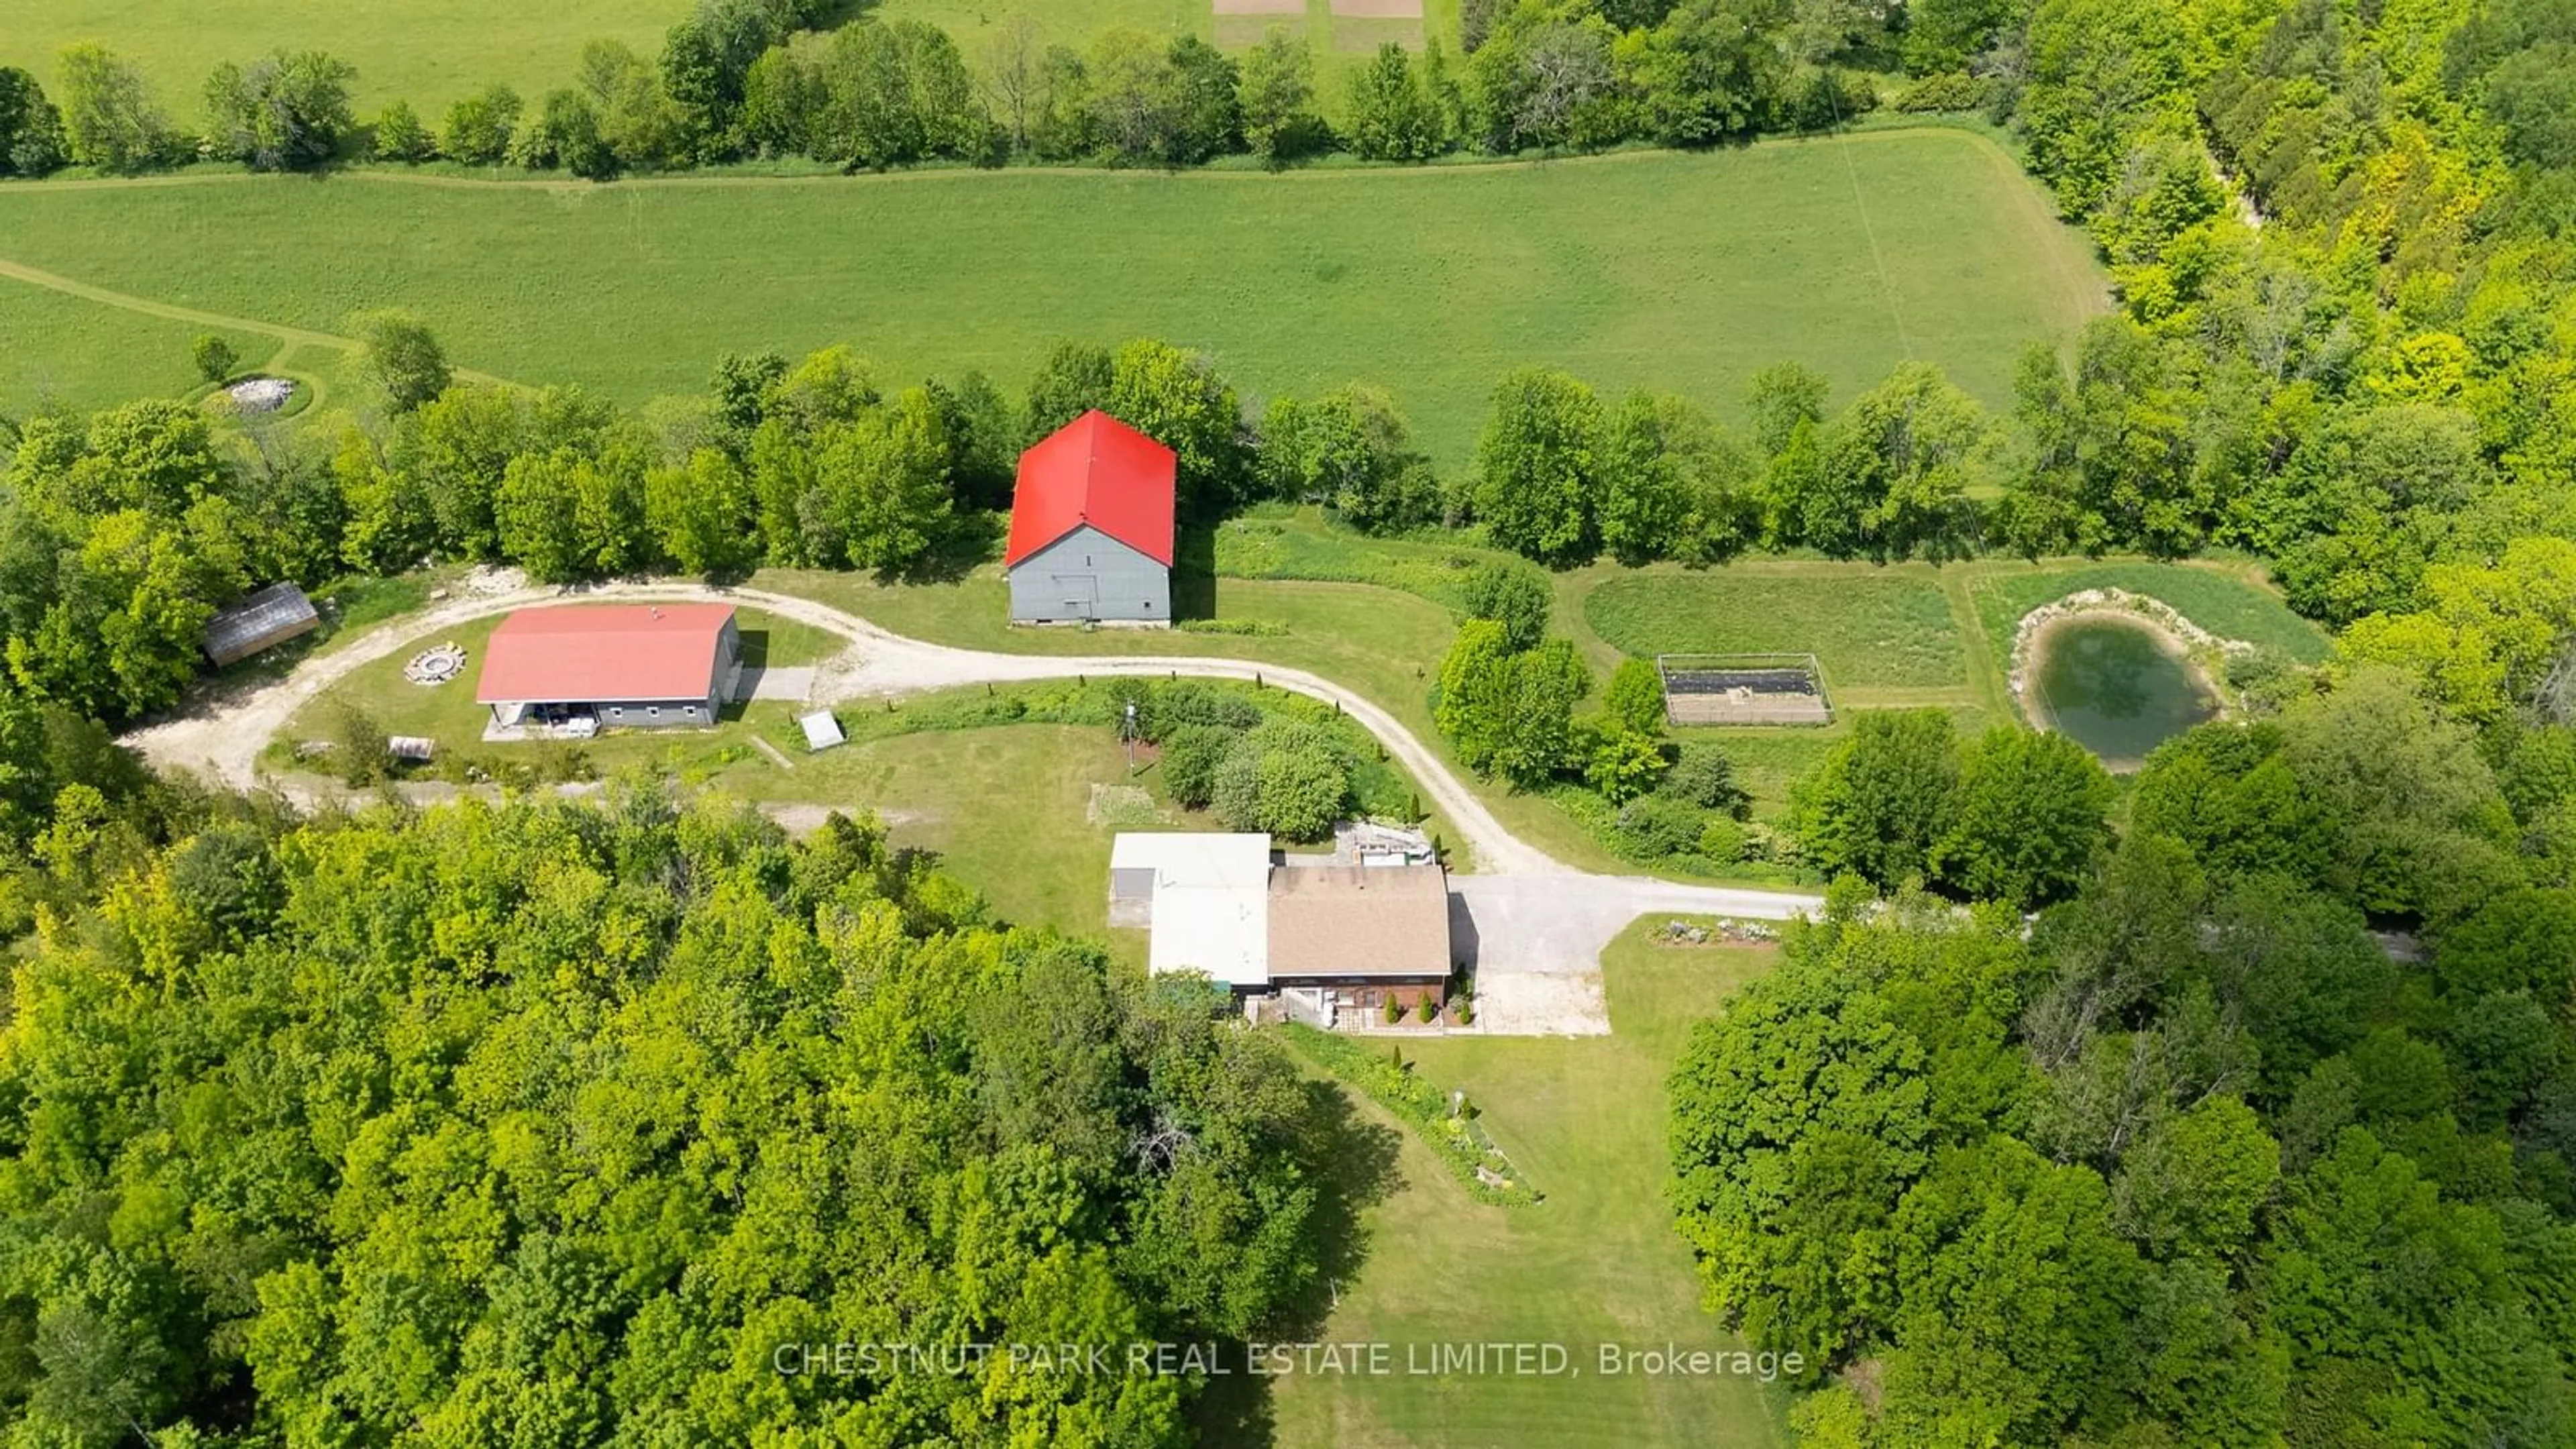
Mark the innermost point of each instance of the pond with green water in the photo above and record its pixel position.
(2117, 687)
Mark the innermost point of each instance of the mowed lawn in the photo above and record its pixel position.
(1009, 809)
(1597, 1262)
(1681, 272)
(427, 53)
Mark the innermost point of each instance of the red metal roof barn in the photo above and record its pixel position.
(626, 664)
(1091, 526)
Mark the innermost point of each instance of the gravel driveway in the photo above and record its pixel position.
(1533, 928)
(1536, 940)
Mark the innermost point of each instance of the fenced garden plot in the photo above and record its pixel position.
(1744, 689)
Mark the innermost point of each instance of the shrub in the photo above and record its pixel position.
(1722, 840)
(1235, 792)
(478, 127)
(1621, 763)
(1462, 1009)
(1430, 1010)
(1393, 1010)
(1956, 91)
(360, 751)
(1512, 595)
(214, 358)
(1172, 703)
(1703, 776)
(1654, 826)
(400, 136)
(1192, 755)
(1634, 698)
(1301, 792)
(1287, 777)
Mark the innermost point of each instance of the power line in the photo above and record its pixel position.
(1860, 203)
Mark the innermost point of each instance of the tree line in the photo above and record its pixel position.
(757, 79)
(2192, 1158)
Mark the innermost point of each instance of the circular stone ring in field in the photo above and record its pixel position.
(436, 666)
(260, 394)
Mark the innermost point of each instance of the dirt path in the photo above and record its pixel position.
(288, 338)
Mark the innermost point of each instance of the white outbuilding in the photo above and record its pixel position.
(1207, 897)
(822, 731)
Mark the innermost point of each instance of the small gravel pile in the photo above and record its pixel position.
(260, 394)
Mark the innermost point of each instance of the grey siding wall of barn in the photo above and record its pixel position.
(650, 714)
(1088, 575)
(728, 663)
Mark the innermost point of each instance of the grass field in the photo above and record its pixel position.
(1868, 630)
(62, 350)
(1597, 1262)
(428, 54)
(938, 791)
(2229, 601)
(1683, 272)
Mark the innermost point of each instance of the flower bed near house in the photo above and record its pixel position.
(1369, 1066)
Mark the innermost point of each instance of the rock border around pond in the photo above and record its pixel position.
(2204, 652)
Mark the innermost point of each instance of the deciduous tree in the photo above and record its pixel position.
(282, 112)
(1538, 467)
(1882, 798)
(2027, 820)
(110, 120)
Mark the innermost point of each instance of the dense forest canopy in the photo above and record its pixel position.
(545, 1123)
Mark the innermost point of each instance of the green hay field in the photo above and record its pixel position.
(423, 53)
(1681, 272)
(62, 350)
(430, 55)
(1868, 628)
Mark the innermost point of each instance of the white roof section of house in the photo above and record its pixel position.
(1211, 902)
(1194, 858)
(1223, 930)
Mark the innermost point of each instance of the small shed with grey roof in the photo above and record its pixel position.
(264, 620)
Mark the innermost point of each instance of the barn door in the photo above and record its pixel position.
(1080, 594)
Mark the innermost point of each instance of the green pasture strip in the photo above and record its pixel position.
(428, 52)
(1868, 627)
(1681, 272)
(63, 352)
